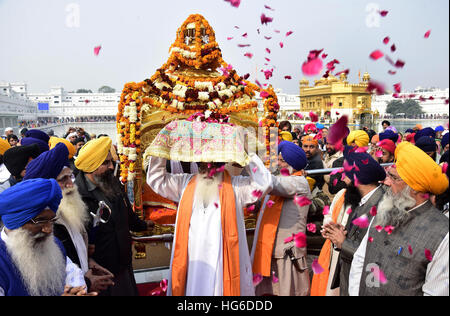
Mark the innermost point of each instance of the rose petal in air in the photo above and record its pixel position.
(316, 267)
(399, 63)
(349, 210)
(383, 13)
(257, 193)
(398, 87)
(285, 172)
(249, 55)
(302, 201)
(287, 77)
(373, 211)
(257, 278)
(427, 34)
(376, 87)
(314, 117)
(410, 249)
(251, 208)
(335, 181)
(163, 285)
(311, 227)
(97, 50)
(300, 240)
(298, 115)
(379, 153)
(386, 40)
(326, 210)
(265, 19)
(379, 275)
(428, 255)
(289, 33)
(338, 131)
(370, 239)
(362, 221)
(281, 44)
(393, 48)
(377, 54)
(289, 239)
(389, 229)
(274, 278)
(270, 203)
(312, 67)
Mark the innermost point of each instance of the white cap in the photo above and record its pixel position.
(8, 129)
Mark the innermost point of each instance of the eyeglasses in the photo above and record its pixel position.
(66, 178)
(45, 221)
(394, 178)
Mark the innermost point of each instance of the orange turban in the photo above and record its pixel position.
(419, 170)
(55, 140)
(93, 154)
(4, 146)
(310, 140)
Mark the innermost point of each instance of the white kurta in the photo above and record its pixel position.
(205, 259)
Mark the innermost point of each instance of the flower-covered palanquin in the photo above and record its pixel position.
(194, 79)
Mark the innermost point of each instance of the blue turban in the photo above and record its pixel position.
(49, 164)
(43, 146)
(444, 141)
(440, 128)
(427, 144)
(389, 134)
(369, 172)
(27, 199)
(293, 155)
(428, 131)
(409, 130)
(35, 133)
(320, 126)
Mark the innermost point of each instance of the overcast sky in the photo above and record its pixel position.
(46, 43)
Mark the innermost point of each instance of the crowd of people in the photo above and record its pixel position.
(377, 224)
(41, 122)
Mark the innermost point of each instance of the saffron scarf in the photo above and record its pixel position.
(267, 234)
(320, 281)
(230, 236)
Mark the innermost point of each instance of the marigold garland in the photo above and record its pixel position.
(172, 91)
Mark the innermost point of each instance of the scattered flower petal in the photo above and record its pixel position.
(312, 67)
(383, 13)
(257, 278)
(251, 208)
(428, 255)
(376, 87)
(311, 227)
(326, 210)
(373, 211)
(249, 55)
(257, 193)
(370, 239)
(287, 77)
(281, 44)
(376, 54)
(274, 278)
(314, 117)
(386, 40)
(300, 240)
(398, 87)
(270, 203)
(427, 34)
(362, 221)
(234, 3)
(97, 50)
(393, 48)
(379, 275)
(302, 201)
(410, 249)
(289, 33)
(389, 229)
(316, 267)
(265, 19)
(349, 210)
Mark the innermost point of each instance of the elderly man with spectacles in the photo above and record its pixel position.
(114, 218)
(70, 227)
(405, 250)
(33, 262)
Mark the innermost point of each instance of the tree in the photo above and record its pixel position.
(84, 91)
(408, 107)
(106, 89)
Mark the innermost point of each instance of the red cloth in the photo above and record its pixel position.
(388, 145)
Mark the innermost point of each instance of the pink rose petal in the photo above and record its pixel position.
(274, 278)
(386, 40)
(265, 19)
(393, 48)
(257, 193)
(379, 275)
(362, 221)
(311, 227)
(270, 203)
(281, 44)
(257, 278)
(287, 77)
(312, 67)
(373, 211)
(428, 255)
(316, 267)
(379, 153)
(163, 285)
(249, 55)
(314, 117)
(326, 210)
(377, 54)
(302, 201)
(298, 115)
(335, 181)
(251, 208)
(289, 33)
(285, 172)
(379, 228)
(445, 167)
(398, 87)
(383, 13)
(97, 50)
(370, 239)
(338, 131)
(389, 229)
(410, 249)
(376, 87)
(349, 210)
(427, 34)
(300, 240)
(289, 239)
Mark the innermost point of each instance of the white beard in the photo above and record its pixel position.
(394, 208)
(73, 210)
(207, 189)
(41, 265)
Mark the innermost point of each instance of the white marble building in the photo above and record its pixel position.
(14, 105)
(435, 106)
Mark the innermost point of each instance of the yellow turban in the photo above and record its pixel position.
(286, 136)
(4, 146)
(360, 138)
(55, 140)
(311, 183)
(419, 170)
(93, 154)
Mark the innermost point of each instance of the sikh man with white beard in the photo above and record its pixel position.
(73, 215)
(32, 261)
(405, 251)
(210, 255)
